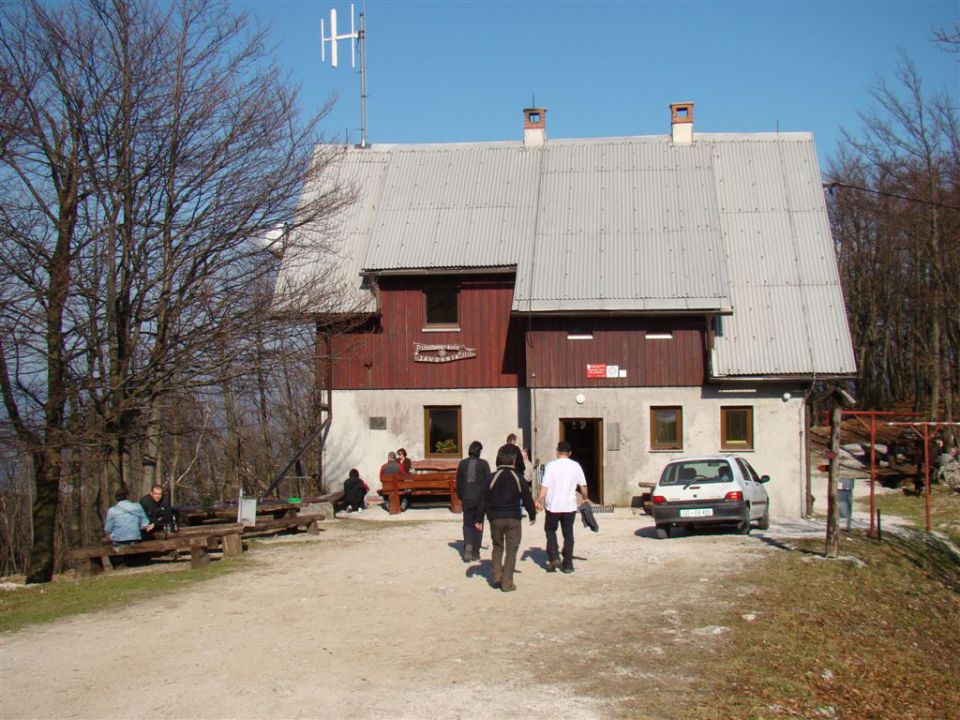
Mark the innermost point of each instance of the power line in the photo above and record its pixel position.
(832, 185)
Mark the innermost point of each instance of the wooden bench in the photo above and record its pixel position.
(393, 487)
(95, 559)
(310, 523)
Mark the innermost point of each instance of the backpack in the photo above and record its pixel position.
(515, 477)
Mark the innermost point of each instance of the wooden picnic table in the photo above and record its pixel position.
(393, 487)
(220, 512)
(199, 540)
(436, 464)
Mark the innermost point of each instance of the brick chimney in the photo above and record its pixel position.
(534, 127)
(681, 123)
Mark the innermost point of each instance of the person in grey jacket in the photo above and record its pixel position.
(473, 475)
(500, 502)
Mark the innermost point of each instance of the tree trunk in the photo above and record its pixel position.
(833, 507)
(46, 499)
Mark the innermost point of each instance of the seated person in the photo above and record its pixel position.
(393, 467)
(354, 493)
(159, 511)
(126, 520)
(405, 462)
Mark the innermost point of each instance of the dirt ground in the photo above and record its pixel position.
(378, 617)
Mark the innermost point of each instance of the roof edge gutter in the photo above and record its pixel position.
(492, 270)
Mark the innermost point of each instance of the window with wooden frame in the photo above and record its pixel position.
(441, 430)
(441, 306)
(666, 428)
(736, 427)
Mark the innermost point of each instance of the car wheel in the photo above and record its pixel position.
(743, 527)
(663, 532)
(764, 523)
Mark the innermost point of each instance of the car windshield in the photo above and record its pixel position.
(699, 471)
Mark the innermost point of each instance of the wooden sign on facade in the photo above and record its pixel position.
(442, 353)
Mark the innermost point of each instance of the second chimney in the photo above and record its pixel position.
(681, 123)
(534, 127)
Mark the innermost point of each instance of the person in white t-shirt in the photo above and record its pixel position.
(561, 480)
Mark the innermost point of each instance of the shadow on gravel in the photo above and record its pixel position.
(537, 555)
(779, 544)
(484, 569)
(677, 533)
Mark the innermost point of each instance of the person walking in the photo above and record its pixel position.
(561, 480)
(500, 502)
(473, 475)
(521, 464)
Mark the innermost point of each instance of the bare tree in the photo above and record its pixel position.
(143, 147)
(896, 221)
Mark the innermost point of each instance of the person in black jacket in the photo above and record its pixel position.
(354, 492)
(161, 515)
(473, 475)
(500, 502)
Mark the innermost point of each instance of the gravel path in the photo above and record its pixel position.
(378, 617)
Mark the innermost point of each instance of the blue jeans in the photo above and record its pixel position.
(565, 522)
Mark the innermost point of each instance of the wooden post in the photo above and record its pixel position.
(232, 545)
(833, 507)
(808, 474)
(926, 473)
(198, 553)
(873, 470)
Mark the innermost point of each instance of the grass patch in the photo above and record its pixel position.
(865, 636)
(944, 509)
(66, 597)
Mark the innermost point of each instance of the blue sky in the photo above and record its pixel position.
(448, 71)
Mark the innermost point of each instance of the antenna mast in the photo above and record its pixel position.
(359, 40)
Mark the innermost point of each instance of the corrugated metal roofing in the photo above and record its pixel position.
(734, 222)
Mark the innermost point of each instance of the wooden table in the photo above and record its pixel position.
(199, 540)
(393, 487)
(220, 512)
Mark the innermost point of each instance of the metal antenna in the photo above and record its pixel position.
(359, 39)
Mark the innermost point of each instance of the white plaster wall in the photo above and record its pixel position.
(778, 445)
(487, 415)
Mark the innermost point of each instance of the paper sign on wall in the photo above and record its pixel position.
(596, 371)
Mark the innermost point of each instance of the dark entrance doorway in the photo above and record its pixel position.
(585, 436)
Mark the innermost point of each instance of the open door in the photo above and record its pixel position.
(585, 436)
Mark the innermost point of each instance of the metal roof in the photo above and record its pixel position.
(733, 224)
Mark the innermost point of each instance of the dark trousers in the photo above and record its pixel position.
(505, 538)
(472, 538)
(565, 522)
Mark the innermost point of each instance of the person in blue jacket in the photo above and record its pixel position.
(126, 520)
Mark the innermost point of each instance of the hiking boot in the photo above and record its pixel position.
(507, 588)
(567, 568)
(468, 553)
(496, 583)
(551, 565)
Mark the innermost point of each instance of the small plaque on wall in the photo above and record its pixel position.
(378, 423)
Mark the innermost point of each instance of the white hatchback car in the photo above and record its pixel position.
(710, 490)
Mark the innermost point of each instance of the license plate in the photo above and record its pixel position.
(697, 512)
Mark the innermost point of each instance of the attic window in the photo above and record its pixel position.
(441, 304)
